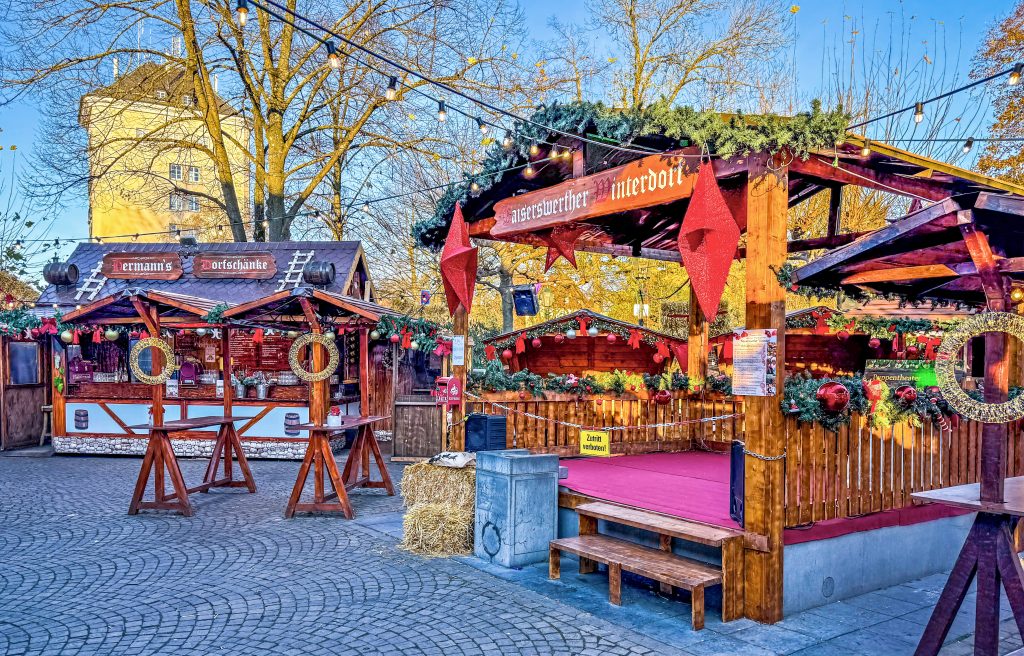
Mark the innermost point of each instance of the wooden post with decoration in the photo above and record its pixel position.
(697, 343)
(226, 369)
(767, 204)
(460, 325)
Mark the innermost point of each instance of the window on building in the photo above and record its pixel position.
(139, 133)
(161, 94)
(176, 172)
(193, 174)
(177, 203)
(23, 358)
(193, 203)
(188, 101)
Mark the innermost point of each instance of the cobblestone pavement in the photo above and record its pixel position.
(79, 576)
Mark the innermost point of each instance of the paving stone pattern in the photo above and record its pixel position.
(79, 576)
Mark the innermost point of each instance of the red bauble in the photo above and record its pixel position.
(559, 338)
(874, 342)
(611, 338)
(843, 335)
(663, 397)
(794, 287)
(507, 354)
(793, 407)
(912, 351)
(906, 393)
(599, 401)
(632, 388)
(535, 342)
(394, 339)
(658, 358)
(522, 395)
(35, 332)
(833, 397)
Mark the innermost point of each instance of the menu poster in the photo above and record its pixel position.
(754, 359)
(274, 353)
(244, 354)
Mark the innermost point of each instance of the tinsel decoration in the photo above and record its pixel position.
(143, 376)
(333, 357)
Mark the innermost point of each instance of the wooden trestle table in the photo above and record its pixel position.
(355, 474)
(160, 455)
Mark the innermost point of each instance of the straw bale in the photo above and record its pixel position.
(426, 483)
(438, 529)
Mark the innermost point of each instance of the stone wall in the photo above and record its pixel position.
(190, 448)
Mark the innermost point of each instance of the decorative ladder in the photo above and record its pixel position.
(293, 275)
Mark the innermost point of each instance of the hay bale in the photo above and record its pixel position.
(426, 483)
(438, 529)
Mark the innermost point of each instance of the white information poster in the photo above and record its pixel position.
(459, 351)
(754, 362)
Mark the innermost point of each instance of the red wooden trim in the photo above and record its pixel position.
(311, 318)
(258, 303)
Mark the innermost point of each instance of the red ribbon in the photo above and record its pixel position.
(582, 320)
(929, 351)
(97, 335)
(406, 338)
(634, 338)
(662, 349)
(490, 352)
(77, 335)
(48, 326)
(521, 343)
(873, 390)
(257, 336)
(444, 348)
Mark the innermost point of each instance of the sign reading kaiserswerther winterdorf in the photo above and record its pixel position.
(149, 266)
(653, 180)
(256, 266)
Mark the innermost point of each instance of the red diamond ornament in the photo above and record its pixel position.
(707, 240)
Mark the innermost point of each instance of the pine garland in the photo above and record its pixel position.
(737, 135)
(17, 320)
(424, 332)
(572, 323)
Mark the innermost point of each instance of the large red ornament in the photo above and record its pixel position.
(611, 338)
(906, 393)
(707, 240)
(507, 354)
(843, 335)
(874, 342)
(458, 264)
(663, 397)
(833, 397)
(394, 339)
(559, 338)
(658, 358)
(535, 342)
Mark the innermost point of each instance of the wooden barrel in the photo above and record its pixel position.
(318, 273)
(60, 273)
(81, 419)
(291, 420)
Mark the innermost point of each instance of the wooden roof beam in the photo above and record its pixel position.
(862, 176)
(978, 246)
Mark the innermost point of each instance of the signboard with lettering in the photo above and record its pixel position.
(919, 373)
(149, 266)
(447, 391)
(595, 443)
(255, 266)
(653, 180)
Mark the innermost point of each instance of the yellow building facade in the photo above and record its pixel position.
(150, 161)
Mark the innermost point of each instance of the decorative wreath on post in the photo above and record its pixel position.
(163, 347)
(306, 340)
(956, 339)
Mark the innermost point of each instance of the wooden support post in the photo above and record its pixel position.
(226, 369)
(364, 371)
(993, 436)
(320, 393)
(766, 196)
(460, 324)
(697, 343)
(835, 210)
(157, 367)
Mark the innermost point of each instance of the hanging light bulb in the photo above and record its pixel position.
(507, 142)
(1015, 74)
(567, 153)
(474, 187)
(18, 245)
(220, 230)
(242, 12)
(366, 208)
(333, 58)
(135, 237)
(442, 111)
(529, 171)
(918, 112)
(1017, 294)
(865, 150)
(480, 124)
(555, 153)
(99, 240)
(968, 145)
(534, 148)
(392, 91)
(177, 233)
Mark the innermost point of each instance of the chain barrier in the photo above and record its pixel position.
(667, 424)
(761, 456)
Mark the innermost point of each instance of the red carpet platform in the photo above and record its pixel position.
(695, 485)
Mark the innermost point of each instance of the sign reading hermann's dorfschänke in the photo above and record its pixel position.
(653, 180)
(255, 266)
(149, 266)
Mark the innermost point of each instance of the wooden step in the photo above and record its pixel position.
(651, 563)
(683, 529)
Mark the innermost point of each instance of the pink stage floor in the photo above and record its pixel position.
(695, 485)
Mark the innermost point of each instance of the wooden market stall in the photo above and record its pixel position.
(682, 205)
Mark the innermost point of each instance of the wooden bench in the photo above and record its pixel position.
(620, 555)
(730, 541)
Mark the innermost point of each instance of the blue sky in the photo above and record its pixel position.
(819, 24)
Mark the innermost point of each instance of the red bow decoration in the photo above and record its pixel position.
(820, 325)
(490, 352)
(634, 338)
(458, 265)
(48, 326)
(707, 241)
(662, 349)
(97, 335)
(406, 338)
(873, 390)
(582, 321)
(932, 344)
(521, 343)
(444, 347)
(257, 336)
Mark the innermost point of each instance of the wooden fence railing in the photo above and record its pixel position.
(548, 425)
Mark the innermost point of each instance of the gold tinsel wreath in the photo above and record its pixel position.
(956, 339)
(306, 340)
(163, 347)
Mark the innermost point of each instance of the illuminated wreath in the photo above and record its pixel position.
(306, 340)
(956, 339)
(163, 347)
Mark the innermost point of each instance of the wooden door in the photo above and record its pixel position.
(418, 427)
(24, 383)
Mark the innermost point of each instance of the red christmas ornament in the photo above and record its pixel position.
(912, 351)
(906, 393)
(611, 338)
(559, 338)
(663, 397)
(794, 287)
(35, 332)
(874, 342)
(535, 342)
(658, 358)
(522, 395)
(632, 388)
(599, 401)
(833, 397)
(394, 339)
(843, 335)
(507, 354)
(793, 407)
(458, 264)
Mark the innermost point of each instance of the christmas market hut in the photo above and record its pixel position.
(822, 472)
(98, 395)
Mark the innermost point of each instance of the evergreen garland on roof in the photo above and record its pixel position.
(734, 135)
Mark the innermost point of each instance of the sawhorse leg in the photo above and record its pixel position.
(357, 466)
(319, 457)
(160, 455)
(226, 447)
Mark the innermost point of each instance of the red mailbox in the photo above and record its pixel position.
(447, 391)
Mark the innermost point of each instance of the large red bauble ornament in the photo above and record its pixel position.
(522, 395)
(663, 397)
(906, 393)
(507, 354)
(611, 338)
(833, 397)
(912, 351)
(843, 335)
(659, 358)
(559, 338)
(874, 342)
(535, 342)
(394, 339)
(632, 388)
